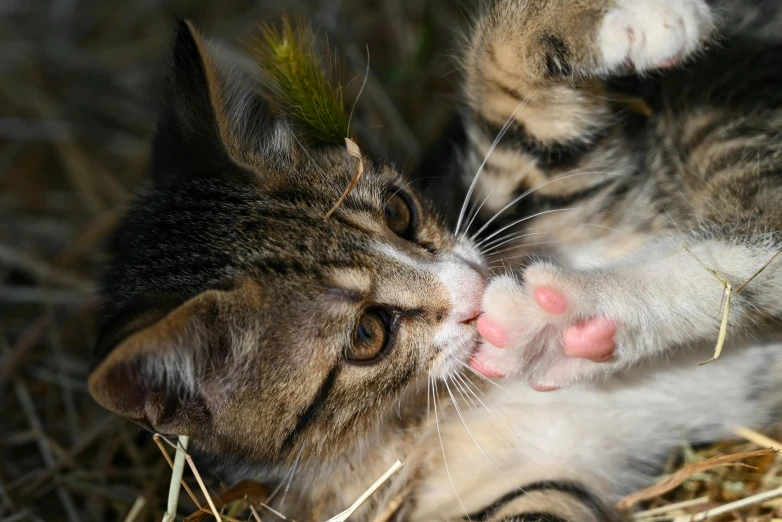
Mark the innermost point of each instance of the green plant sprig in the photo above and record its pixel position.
(297, 83)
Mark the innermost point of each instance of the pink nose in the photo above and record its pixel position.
(466, 317)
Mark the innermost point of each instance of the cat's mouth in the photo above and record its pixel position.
(457, 344)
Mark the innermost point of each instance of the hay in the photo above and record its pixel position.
(353, 152)
(727, 295)
(717, 492)
(342, 517)
(676, 479)
(78, 104)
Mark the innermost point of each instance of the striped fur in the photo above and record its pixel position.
(618, 193)
(230, 303)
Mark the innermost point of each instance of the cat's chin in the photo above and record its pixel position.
(457, 345)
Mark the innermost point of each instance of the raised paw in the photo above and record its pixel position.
(525, 42)
(643, 35)
(543, 329)
(592, 339)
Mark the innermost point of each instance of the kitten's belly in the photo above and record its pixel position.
(593, 435)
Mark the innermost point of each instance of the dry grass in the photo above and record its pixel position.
(78, 99)
(723, 482)
(78, 83)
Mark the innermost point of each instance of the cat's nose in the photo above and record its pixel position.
(465, 288)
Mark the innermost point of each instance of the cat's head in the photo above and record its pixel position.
(237, 314)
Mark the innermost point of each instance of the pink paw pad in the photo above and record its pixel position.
(550, 300)
(492, 332)
(542, 388)
(477, 364)
(593, 340)
(484, 363)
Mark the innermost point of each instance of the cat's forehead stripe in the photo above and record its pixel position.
(366, 222)
(351, 281)
(389, 251)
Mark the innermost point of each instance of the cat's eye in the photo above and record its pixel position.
(399, 214)
(371, 337)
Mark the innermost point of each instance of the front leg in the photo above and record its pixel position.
(557, 326)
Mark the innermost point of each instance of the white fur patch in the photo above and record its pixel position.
(464, 283)
(653, 33)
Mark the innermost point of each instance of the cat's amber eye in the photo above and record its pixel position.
(371, 338)
(399, 214)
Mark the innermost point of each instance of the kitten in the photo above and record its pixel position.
(619, 198)
(312, 353)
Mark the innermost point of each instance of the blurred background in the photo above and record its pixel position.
(79, 92)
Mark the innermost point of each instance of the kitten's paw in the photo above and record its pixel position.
(642, 35)
(543, 329)
(592, 339)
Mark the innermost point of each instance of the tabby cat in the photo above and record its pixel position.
(312, 353)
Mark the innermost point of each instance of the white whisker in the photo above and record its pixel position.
(475, 214)
(524, 195)
(442, 447)
(478, 398)
(428, 395)
(491, 246)
(290, 479)
(459, 412)
(502, 423)
(483, 377)
(520, 256)
(460, 388)
(496, 467)
(469, 387)
(518, 221)
(493, 146)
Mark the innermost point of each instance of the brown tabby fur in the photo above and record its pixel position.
(703, 168)
(230, 303)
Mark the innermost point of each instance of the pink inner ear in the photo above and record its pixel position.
(132, 380)
(122, 385)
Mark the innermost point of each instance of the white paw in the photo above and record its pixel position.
(544, 329)
(643, 35)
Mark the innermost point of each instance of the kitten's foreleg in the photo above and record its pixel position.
(557, 326)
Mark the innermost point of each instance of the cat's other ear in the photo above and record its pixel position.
(169, 375)
(212, 118)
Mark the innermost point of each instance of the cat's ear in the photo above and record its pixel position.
(212, 117)
(167, 376)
